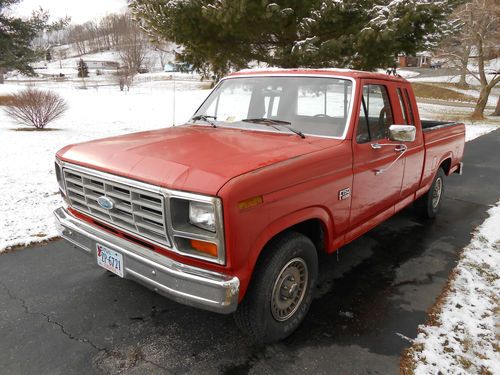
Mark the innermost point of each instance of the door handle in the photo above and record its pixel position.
(399, 148)
(377, 146)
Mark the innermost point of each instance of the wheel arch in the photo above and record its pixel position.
(446, 164)
(313, 222)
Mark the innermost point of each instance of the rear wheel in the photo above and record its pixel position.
(281, 290)
(428, 204)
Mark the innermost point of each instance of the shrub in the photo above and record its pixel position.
(35, 107)
(5, 99)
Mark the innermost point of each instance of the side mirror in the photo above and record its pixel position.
(402, 133)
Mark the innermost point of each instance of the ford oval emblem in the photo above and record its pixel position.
(105, 203)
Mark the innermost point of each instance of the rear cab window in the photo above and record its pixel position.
(404, 107)
(410, 107)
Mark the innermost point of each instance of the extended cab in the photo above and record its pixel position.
(229, 212)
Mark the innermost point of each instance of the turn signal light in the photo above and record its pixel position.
(204, 247)
(250, 202)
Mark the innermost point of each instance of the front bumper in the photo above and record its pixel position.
(183, 283)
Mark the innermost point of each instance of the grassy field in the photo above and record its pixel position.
(434, 91)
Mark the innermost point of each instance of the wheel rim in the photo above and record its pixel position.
(436, 193)
(289, 289)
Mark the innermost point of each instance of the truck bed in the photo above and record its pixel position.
(428, 125)
(442, 140)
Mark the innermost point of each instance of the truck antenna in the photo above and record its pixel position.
(173, 103)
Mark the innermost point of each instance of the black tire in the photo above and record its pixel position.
(258, 314)
(426, 205)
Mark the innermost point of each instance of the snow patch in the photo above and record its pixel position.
(472, 131)
(464, 341)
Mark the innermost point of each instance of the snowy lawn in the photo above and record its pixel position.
(28, 189)
(462, 337)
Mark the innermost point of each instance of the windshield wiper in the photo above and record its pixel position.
(272, 122)
(205, 118)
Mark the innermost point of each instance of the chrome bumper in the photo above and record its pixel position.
(183, 283)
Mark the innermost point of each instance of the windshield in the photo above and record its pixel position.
(312, 105)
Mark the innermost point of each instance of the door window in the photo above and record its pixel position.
(375, 114)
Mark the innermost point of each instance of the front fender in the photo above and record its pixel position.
(283, 223)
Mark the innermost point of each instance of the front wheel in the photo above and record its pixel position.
(281, 290)
(428, 204)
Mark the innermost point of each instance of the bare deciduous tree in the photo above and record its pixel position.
(496, 112)
(134, 46)
(164, 52)
(61, 53)
(36, 107)
(475, 40)
(125, 79)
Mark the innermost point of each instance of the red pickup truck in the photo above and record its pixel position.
(229, 212)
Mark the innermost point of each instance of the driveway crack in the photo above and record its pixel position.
(49, 319)
(22, 302)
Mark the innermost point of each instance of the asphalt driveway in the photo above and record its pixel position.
(61, 314)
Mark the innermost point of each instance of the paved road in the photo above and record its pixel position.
(59, 314)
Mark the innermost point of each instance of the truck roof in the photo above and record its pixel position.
(319, 72)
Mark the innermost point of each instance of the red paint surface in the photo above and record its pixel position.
(299, 179)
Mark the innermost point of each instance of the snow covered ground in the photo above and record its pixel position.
(473, 91)
(29, 193)
(68, 66)
(448, 79)
(464, 339)
(28, 189)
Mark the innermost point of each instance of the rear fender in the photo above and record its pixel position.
(424, 189)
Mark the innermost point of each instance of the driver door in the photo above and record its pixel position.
(376, 183)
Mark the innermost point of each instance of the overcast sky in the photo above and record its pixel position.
(79, 10)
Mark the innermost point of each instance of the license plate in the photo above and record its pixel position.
(110, 259)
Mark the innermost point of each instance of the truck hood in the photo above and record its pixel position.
(191, 158)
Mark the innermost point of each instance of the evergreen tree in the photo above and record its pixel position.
(83, 70)
(228, 34)
(16, 36)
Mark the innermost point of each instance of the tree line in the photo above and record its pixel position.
(218, 36)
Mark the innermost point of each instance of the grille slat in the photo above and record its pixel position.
(135, 210)
(147, 215)
(149, 227)
(78, 200)
(115, 194)
(74, 181)
(75, 190)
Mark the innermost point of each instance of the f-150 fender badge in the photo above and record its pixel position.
(344, 193)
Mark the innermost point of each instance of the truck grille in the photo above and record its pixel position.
(136, 210)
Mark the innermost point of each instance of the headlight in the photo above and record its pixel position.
(197, 226)
(202, 215)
